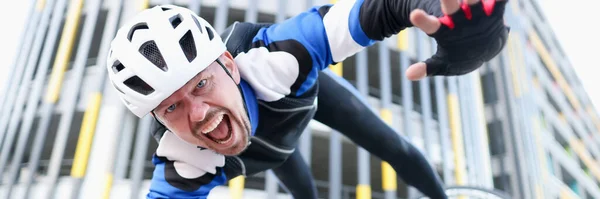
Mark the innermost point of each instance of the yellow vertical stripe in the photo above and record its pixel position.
(337, 69)
(64, 50)
(515, 7)
(594, 117)
(86, 135)
(517, 64)
(363, 191)
(40, 5)
(403, 40)
(538, 191)
(541, 157)
(236, 187)
(562, 118)
(386, 115)
(519, 61)
(536, 83)
(579, 148)
(388, 175)
(553, 68)
(457, 140)
(481, 119)
(108, 181)
(144, 4)
(566, 193)
(514, 65)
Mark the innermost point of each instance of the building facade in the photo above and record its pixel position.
(521, 124)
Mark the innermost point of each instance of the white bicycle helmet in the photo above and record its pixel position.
(157, 52)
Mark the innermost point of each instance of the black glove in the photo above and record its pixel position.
(466, 39)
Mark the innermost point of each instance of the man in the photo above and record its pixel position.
(238, 107)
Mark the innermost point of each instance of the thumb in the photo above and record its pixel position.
(416, 71)
(427, 23)
(435, 65)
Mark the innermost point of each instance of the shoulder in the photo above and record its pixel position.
(238, 37)
(275, 64)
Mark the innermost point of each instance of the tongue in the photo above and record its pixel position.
(222, 130)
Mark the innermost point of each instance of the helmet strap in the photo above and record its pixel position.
(239, 89)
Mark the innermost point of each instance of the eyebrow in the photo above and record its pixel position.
(202, 75)
(160, 106)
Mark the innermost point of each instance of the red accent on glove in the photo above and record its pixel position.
(465, 7)
(447, 20)
(488, 6)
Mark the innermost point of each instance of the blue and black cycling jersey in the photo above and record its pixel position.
(279, 65)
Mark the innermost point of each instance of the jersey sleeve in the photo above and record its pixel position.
(285, 58)
(184, 171)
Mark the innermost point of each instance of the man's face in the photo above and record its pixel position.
(208, 110)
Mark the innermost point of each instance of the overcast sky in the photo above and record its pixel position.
(579, 42)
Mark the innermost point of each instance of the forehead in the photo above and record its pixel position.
(204, 73)
(210, 70)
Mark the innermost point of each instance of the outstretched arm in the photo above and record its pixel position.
(468, 33)
(304, 44)
(343, 108)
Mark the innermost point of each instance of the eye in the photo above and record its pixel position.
(171, 108)
(201, 83)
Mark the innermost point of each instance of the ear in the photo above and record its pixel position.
(230, 64)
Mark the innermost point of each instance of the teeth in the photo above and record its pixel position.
(210, 127)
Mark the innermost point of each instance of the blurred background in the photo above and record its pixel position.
(525, 124)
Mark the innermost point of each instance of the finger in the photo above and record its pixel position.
(471, 2)
(427, 23)
(416, 71)
(488, 7)
(450, 6)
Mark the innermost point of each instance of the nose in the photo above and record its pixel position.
(198, 110)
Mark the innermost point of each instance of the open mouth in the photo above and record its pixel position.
(219, 130)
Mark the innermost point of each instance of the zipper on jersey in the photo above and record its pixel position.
(272, 147)
(242, 165)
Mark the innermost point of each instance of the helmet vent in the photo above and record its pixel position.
(138, 26)
(138, 85)
(188, 46)
(210, 33)
(197, 23)
(117, 67)
(164, 8)
(151, 52)
(175, 20)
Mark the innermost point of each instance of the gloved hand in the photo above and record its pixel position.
(472, 34)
